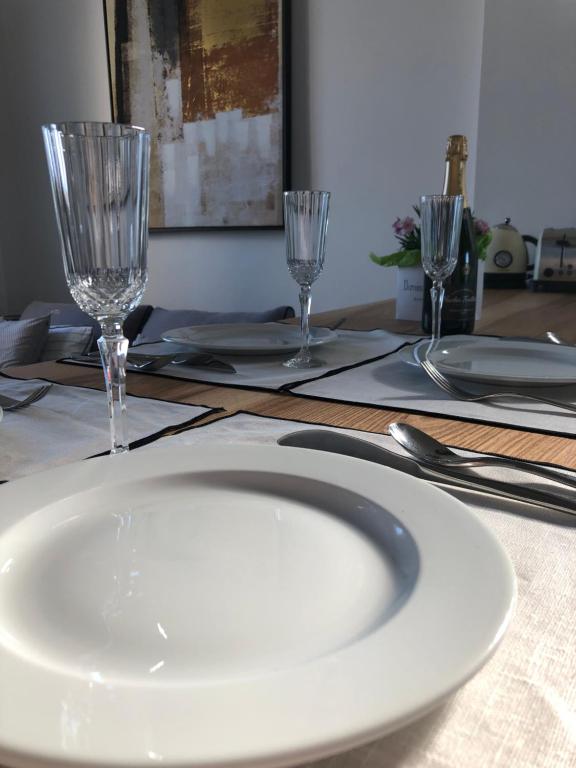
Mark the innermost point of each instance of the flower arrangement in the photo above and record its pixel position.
(407, 232)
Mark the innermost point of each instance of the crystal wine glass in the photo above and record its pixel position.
(99, 178)
(306, 222)
(441, 220)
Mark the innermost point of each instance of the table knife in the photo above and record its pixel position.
(335, 442)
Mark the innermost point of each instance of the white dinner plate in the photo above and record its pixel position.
(247, 338)
(501, 361)
(222, 606)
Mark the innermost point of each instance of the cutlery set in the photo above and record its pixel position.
(447, 476)
(144, 362)
(428, 450)
(149, 362)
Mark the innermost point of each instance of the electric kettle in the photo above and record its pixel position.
(506, 263)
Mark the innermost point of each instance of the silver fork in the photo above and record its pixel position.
(460, 394)
(12, 404)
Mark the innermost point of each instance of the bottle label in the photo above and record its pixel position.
(459, 305)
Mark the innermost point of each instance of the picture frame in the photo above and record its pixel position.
(209, 80)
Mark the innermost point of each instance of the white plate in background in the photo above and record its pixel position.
(500, 361)
(247, 338)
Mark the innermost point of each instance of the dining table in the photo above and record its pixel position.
(521, 716)
(514, 313)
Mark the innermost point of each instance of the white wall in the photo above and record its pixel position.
(377, 87)
(53, 61)
(526, 164)
(389, 82)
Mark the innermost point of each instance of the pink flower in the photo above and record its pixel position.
(482, 227)
(404, 227)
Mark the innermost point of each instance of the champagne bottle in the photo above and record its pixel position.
(459, 308)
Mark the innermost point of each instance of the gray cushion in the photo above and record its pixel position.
(22, 341)
(61, 313)
(162, 320)
(67, 313)
(67, 341)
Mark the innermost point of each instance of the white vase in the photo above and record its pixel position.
(409, 293)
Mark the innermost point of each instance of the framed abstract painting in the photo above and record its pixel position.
(208, 79)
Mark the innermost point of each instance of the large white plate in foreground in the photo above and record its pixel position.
(247, 338)
(246, 606)
(501, 361)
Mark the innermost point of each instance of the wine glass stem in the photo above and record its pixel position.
(437, 297)
(305, 300)
(113, 348)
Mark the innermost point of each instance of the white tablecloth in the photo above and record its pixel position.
(71, 423)
(393, 383)
(519, 711)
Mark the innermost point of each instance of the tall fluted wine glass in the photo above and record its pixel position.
(441, 220)
(306, 223)
(99, 177)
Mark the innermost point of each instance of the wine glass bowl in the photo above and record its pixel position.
(103, 293)
(306, 222)
(441, 221)
(99, 178)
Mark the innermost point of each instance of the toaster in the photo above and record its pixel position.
(555, 260)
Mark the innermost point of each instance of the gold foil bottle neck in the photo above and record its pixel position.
(457, 146)
(455, 175)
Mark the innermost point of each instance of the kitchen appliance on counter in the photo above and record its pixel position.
(555, 263)
(507, 264)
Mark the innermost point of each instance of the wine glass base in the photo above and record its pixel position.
(303, 362)
(120, 449)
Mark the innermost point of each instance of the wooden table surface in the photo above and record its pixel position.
(504, 313)
(513, 313)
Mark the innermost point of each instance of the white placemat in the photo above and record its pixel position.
(393, 383)
(267, 371)
(519, 711)
(71, 423)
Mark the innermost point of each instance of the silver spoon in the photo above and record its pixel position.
(430, 451)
